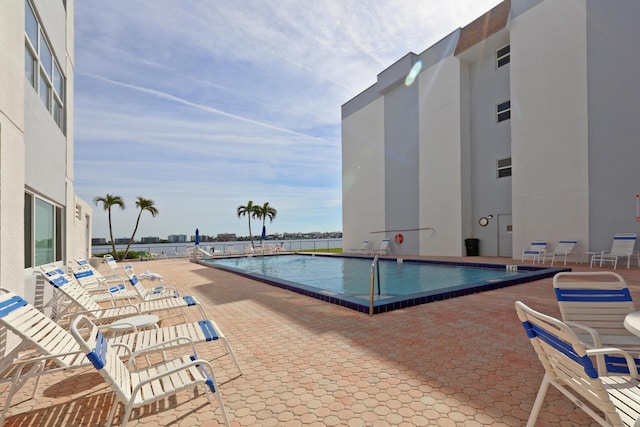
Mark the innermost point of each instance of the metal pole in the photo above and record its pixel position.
(371, 287)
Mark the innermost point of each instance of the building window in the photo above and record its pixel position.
(503, 111)
(503, 56)
(504, 167)
(42, 69)
(42, 231)
(30, 66)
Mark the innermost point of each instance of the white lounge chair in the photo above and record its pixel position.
(563, 249)
(44, 348)
(100, 289)
(623, 246)
(595, 305)
(535, 251)
(51, 348)
(364, 249)
(136, 386)
(615, 399)
(383, 249)
(147, 294)
(116, 270)
(81, 302)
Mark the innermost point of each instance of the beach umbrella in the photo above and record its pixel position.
(197, 237)
(264, 232)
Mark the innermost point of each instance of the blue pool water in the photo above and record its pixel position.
(347, 280)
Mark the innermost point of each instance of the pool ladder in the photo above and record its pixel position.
(375, 270)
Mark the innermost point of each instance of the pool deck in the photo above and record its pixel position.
(459, 362)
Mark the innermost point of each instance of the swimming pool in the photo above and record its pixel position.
(402, 283)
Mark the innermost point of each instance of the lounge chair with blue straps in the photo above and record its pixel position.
(610, 400)
(82, 302)
(46, 347)
(135, 386)
(146, 294)
(595, 305)
(535, 251)
(102, 290)
(563, 249)
(623, 246)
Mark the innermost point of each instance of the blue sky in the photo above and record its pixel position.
(205, 105)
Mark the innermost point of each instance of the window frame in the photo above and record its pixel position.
(503, 58)
(33, 231)
(44, 71)
(503, 111)
(501, 169)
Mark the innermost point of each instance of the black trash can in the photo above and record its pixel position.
(473, 247)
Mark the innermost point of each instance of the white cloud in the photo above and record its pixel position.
(204, 105)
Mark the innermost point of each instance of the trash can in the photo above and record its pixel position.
(473, 247)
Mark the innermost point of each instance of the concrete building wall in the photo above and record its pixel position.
(572, 84)
(36, 156)
(442, 145)
(401, 167)
(613, 92)
(549, 124)
(12, 162)
(490, 140)
(363, 174)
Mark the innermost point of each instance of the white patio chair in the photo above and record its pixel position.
(81, 302)
(135, 386)
(383, 249)
(116, 270)
(102, 290)
(563, 249)
(45, 347)
(623, 246)
(535, 251)
(595, 305)
(610, 400)
(364, 249)
(147, 294)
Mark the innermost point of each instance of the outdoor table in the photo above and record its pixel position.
(632, 322)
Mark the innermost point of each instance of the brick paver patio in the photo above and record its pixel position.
(458, 362)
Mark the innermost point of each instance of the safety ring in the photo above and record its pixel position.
(399, 238)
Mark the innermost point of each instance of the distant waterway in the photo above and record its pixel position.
(173, 249)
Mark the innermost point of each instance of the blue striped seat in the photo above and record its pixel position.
(596, 304)
(568, 367)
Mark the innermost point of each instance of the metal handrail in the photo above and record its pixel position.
(375, 265)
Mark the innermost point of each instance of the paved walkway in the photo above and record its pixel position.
(458, 362)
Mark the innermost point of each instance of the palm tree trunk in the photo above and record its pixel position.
(113, 243)
(132, 236)
(250, 235)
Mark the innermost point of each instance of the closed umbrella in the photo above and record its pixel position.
(264, 232)
(197, 237)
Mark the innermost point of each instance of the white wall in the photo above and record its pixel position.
(12, 82)
(443, 150)
(80, 235)
(363, 175)
(549, 124)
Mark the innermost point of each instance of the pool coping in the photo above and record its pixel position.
(399, 302)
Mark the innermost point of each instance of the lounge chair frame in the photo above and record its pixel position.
(615, 399)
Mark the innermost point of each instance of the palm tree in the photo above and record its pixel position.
(250, 211)
(144, 205)
(107, 202)
(263, 212)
